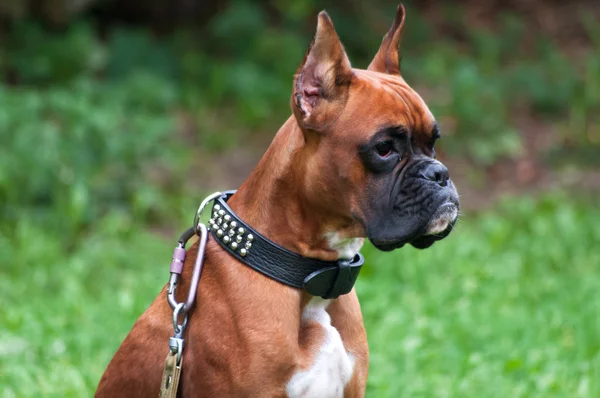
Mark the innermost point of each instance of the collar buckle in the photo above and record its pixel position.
(332, 282)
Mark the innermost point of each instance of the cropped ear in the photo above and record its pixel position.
(322, 80)
(386, 59)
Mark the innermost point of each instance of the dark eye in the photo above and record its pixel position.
(384, 149)
(434, 140)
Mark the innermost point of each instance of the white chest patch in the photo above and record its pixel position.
(346, 247)
(332, 367)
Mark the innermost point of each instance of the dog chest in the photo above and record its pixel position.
(331, 367)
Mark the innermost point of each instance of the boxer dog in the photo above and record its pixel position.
(356, 160)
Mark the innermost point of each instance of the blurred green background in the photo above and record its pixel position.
(117, 117)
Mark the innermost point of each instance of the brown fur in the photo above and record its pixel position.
(245, 337)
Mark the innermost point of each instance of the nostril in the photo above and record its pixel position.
(441, 178)
(437, 173)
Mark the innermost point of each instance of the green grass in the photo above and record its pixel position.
(508, 306)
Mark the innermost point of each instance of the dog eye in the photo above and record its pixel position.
(434, 139)
(384, 149)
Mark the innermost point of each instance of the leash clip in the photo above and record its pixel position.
(176, 346)
(173, 362)
(177, 327)
(178, 258)
(176, 342)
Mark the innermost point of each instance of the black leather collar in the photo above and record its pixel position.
(326, 279)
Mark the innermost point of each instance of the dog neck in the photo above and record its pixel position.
(272, 201)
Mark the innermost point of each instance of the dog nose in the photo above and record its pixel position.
(437, 173)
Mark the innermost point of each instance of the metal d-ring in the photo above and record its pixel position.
(206, 201)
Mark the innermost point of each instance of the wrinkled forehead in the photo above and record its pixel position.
(379, 100)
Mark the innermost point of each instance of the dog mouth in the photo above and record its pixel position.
(443, 218)
(440, 225)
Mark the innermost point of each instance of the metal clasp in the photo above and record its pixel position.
(179, 328)
(171, 374)
(176, 342)
(174, 278)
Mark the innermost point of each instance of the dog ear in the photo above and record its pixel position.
(322, 80)
(386, 60)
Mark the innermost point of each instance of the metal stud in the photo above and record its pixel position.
(227, 217)
(219, 221)
(226, 239)
(231, 232)
(233, 224)
(238, 239)
(248, 245)
(215, 215)
(217, 207)
(241, 230)
(219, 232)
(250, 237)
(221, 213)
(234, 245)
(243, 252)
(225, 225)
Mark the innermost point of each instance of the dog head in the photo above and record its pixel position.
(369, 156)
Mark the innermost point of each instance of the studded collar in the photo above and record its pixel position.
(326, 279)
